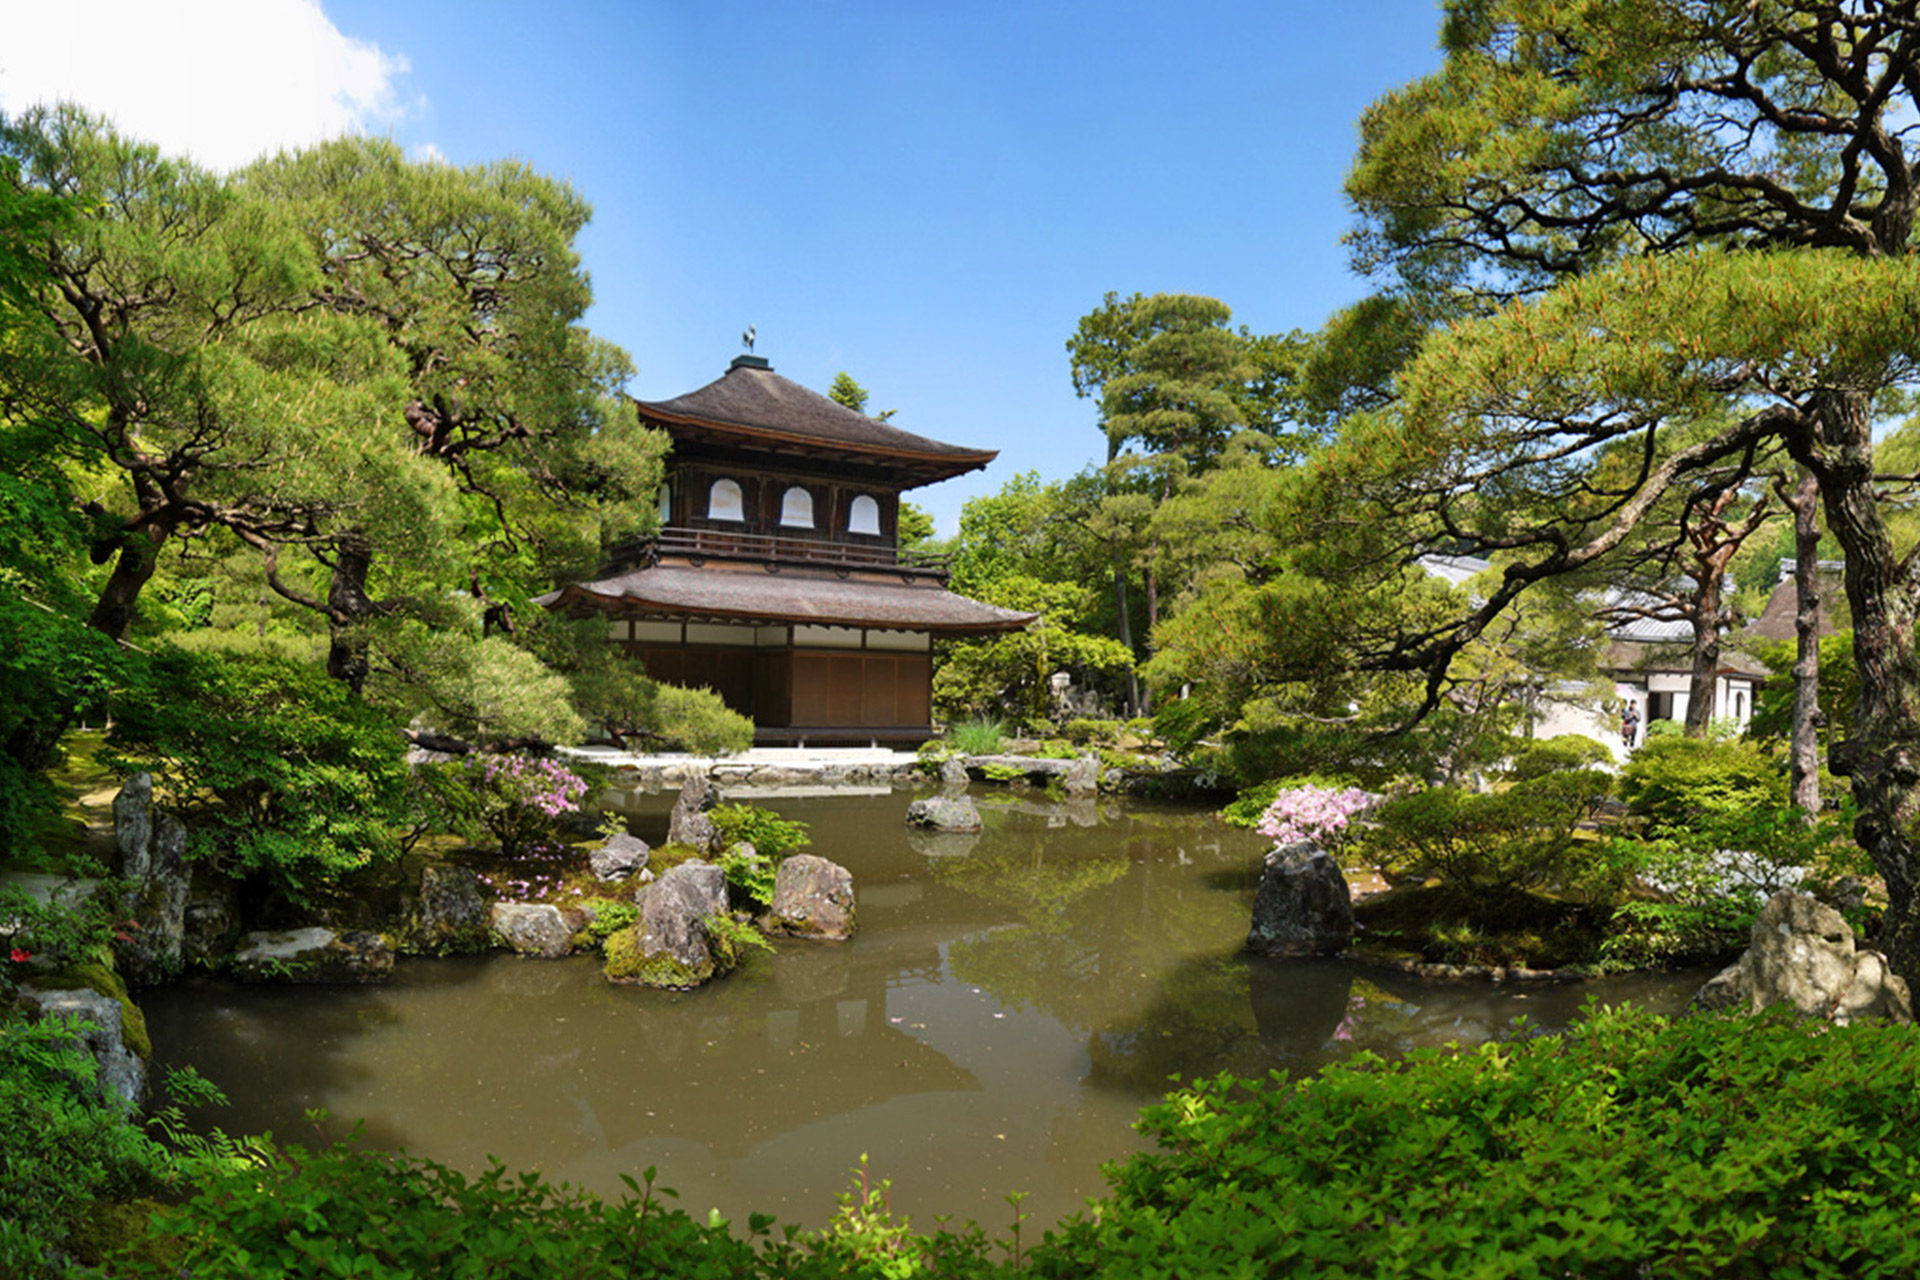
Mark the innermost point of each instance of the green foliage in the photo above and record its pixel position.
(750, 872)
(1004, 772)
(765, 830)
(696, 720)
(610, 915)
(1084, 732)
(276, 768)
(62, 1145)
(1679, 783)
(1535, 759)
(340, 1211)
(1839, 690)
(443, 674)
(1703, 882)
(1521, 837)
(1629, 1146)
(976, 737)
(1028, 547)
(733, 940)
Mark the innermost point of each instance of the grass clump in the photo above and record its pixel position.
(977, 737)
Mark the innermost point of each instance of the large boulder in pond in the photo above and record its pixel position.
(621, 856)
(1303, 907)
(313, 955)
(212, 921)
(812, 898)
(455, 914)
(689, 824)
(670, 945)
(1083, 776)
(953, 775)
(944, 813)
(153, 859)
(537, 929)
(1802, 953)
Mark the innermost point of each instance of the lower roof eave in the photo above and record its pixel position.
(578, 601)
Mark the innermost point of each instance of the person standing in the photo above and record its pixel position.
(1630, 723)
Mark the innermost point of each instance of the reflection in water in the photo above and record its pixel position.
(1011, 1001)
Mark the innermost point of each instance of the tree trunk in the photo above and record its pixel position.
(1125, 626)
(348, 606)
(1882, 758)
(1706, 645)
(133, 565)
(1803, 757)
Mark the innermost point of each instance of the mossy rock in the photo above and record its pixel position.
(100, 978)
(113, 1229)
(626, 963)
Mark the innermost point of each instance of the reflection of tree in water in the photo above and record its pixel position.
(1099, 913)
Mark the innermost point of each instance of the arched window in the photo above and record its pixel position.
(863, 516)
(796, 509)
(723, 501)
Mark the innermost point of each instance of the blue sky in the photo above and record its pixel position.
(926, 196)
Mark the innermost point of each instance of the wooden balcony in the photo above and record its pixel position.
(696, 545)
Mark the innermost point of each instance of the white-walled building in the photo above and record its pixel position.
(1649, 665)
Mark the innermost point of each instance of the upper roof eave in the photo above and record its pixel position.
(751, 404)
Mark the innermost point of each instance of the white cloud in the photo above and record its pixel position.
(221, 80)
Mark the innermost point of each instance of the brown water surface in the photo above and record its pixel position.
(1010, 1002)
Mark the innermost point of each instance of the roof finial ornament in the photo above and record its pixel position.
(746, 338)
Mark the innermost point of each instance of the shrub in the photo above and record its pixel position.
(277, 768)
(1630, 1146)
(1555, 755)
(1085, 732)
(1676, 783)
(518, 800)
(1309, 812)
(1250, 805)
(1517, 838)
(346, 1212)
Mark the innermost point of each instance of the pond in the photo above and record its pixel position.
(1009, 1004)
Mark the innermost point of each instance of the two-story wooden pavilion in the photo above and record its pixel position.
(777, 579)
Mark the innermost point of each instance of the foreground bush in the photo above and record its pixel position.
(1629, 1147)
(1523, 837)
(277, 769)
(63, 1146)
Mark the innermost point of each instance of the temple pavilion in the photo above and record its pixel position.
(777, 579)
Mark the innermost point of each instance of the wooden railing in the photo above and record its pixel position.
(728, 545)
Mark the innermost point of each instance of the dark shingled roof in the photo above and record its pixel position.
(751, 593)
(1635, 655)
(751, 404)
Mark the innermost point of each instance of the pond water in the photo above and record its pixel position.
(1009, 1004)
